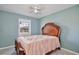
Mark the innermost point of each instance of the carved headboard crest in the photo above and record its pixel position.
(51, 29)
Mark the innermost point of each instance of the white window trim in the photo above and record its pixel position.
(26, 20)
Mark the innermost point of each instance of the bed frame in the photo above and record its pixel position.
(50, 29)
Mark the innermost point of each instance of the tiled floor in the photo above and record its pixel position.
(11, 51)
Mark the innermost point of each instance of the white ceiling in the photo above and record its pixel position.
(24, 9)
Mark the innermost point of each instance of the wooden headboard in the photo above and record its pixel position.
(51, 29)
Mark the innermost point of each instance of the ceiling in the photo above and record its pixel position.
(24, 9)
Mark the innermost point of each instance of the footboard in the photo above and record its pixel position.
(18, 48)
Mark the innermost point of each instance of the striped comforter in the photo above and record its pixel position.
(38, 44)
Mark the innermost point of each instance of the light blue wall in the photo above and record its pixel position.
(68, 19)
(9, 27)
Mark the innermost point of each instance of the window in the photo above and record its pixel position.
(24, 27)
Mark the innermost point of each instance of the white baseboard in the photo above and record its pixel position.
(70, 51)
(7, 47)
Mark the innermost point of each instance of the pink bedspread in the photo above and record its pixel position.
(38, 44)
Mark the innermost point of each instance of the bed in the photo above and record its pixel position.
(39, 44)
